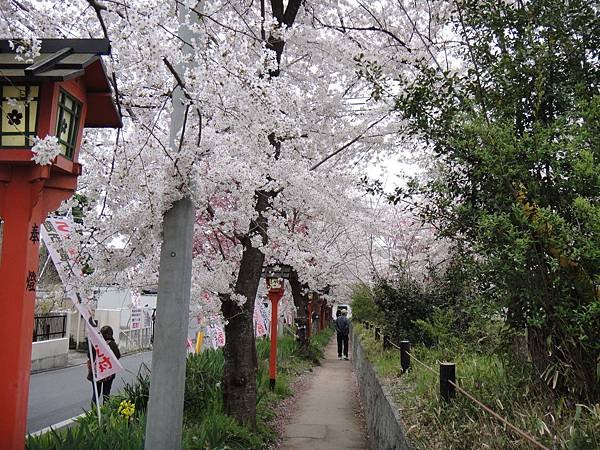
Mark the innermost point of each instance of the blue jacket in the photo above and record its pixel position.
(342, 325)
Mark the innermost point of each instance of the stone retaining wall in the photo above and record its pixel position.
(381, 413)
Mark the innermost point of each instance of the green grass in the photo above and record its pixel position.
(432, 424)
(113, 433)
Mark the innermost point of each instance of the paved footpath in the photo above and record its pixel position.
(328, 415)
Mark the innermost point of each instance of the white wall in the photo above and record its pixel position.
(51, 353)
(75, 320)
(117, 298)
(111, 317)
(111, 298)
(46, 349)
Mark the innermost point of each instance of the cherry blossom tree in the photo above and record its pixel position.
(284, 108)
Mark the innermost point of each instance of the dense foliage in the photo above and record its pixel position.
(363, 306)
(402, 304)
(451, 302)
(517, 176)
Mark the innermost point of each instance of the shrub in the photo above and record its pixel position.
(138, 391)
(218, 431)
(203, 376)
(439, 329)
(363, 306)
(114, 432)
(452, 304)
(403, 303)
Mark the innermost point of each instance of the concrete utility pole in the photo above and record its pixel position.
(167, 383)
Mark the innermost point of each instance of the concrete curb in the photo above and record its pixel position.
(57, 426)
(384, 424)
(66, 366)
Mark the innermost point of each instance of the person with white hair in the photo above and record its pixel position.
(342, 327)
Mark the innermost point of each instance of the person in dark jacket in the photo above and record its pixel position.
(103, 386)
(342, 327)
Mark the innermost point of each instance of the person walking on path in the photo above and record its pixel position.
(103, 386)
(342, 327)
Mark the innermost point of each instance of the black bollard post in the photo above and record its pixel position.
(447, 374)
(377, 331)
(404, 356)
(367, 325)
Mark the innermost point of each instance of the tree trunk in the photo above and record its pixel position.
(239, 377)
(538, 349)
(300, 301)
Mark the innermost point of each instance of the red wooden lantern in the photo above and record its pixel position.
(274, 275)
(276, 290)
(62, 91)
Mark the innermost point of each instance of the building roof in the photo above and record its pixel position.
(65, 59)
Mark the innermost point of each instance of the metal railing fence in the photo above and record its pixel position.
(135, 340)
(49, 326)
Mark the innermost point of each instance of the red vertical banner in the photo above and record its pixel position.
(309, 309)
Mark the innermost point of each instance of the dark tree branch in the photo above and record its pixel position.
(98, 8)
(277, 9)
(347, 144)
(291, 12)
(176, 76)
(343, 28)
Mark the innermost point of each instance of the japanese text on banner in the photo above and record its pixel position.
(53, 234)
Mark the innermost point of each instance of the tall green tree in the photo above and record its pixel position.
(516, 137)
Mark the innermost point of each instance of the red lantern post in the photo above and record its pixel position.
(275, 293)
(64, 90)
